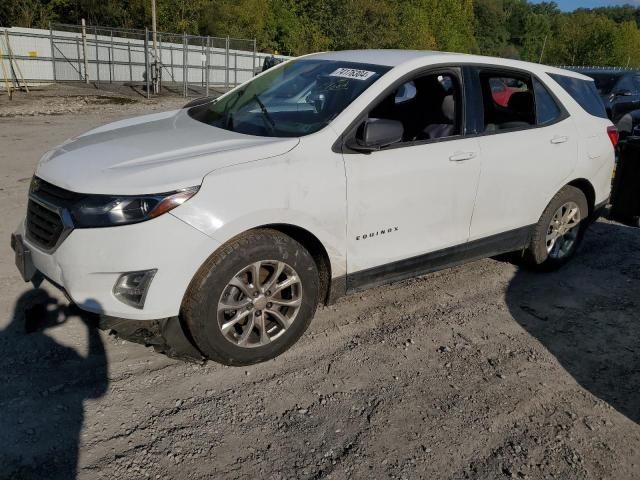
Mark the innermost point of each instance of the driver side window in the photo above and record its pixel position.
(428, 107)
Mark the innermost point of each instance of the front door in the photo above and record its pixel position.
(416, 196)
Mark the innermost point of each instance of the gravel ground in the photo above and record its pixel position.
(483, 371)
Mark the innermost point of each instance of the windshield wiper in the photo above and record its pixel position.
(265, 113)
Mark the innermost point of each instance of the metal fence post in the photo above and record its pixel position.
(203, 61)
(226, 63)
(53, 54)
(173, 74)
(78, 57)
(185, 69)
(159, 59)
(95, 31)
(130, 66)
(253, 71)
(207, 64)
(112, 71)
(84, 51)
(146, 59)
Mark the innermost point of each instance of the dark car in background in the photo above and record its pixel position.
(620, 92)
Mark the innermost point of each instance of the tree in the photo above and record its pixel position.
(238, 19)
(26, 13)
(537, 30)
(516, 12)
(454, 25)
(627, 45)
(619, 13)
(490, 26)
(508, 28)
(583, 38)
(549, 9)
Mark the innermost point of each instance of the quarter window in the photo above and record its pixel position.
(584, 92)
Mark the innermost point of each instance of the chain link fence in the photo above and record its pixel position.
(184, 64)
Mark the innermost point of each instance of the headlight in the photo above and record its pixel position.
(105, 210)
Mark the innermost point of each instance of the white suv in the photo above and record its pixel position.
(235, 218)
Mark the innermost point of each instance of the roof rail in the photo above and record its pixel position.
(598, 67)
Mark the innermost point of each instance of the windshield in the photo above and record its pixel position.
(291, 100)
(605, 82)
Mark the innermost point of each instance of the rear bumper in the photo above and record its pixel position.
(89, 262)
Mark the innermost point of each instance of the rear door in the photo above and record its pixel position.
(528, 148)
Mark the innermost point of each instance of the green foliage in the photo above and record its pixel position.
(626, 49)
(583, 39)
(537, 28)
(491, 26)
(508, 28)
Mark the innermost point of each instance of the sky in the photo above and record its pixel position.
(569, 5)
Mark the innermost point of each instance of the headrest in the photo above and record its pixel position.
(449, 108)
(521, 102)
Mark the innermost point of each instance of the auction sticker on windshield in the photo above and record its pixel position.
(352, 73)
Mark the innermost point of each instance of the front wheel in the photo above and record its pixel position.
(252, 299)
(559, 231)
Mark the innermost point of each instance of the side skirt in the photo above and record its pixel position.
(431, 262)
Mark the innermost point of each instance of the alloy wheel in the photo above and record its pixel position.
(260, 303)
(563, 230)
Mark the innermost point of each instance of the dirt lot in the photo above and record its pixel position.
(483, 371)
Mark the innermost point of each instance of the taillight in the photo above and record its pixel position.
(614, 136)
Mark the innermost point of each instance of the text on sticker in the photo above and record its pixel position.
(352, 73)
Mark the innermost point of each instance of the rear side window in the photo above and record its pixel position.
(508, 101)
(584, 92)
(547, 109)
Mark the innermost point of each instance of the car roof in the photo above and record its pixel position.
(395, 58)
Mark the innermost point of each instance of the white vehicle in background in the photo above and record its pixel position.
(232, 220)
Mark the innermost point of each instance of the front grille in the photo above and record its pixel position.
(44, 224)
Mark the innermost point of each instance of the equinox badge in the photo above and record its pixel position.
(375, 234)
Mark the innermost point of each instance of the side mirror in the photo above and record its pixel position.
(376, 133)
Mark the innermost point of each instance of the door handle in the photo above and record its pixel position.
(559, 139)
(462, 157)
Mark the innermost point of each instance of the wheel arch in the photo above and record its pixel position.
(589, 191)
(315, 247)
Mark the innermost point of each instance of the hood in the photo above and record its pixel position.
(154, 153)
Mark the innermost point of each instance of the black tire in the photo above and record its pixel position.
(200, 306)
(536, 255)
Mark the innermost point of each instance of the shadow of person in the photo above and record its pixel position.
(586, 314)
(43, 386)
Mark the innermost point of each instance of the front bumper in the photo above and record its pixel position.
(165, 335)
(89, 262)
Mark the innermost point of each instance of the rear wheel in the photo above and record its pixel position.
(253, 299)
(559, 231)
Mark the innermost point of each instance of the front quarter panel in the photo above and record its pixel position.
(304, 188)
